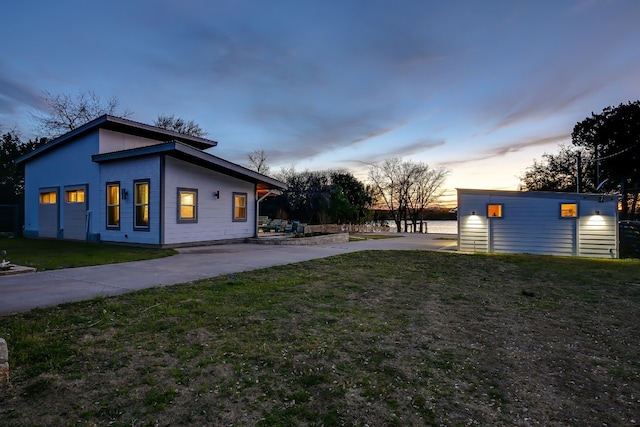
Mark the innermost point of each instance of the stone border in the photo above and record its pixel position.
(16, 269)
(4, 362)
(302, 241)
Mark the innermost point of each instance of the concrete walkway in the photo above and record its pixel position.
(23, 292)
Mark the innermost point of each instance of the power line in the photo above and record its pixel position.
(615, 154)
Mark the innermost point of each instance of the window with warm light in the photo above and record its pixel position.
(48, 198)
(568, 210)
(239, 206)
(113, 205)
(141, 216)
(494, 211)
(75, 196)
(187, 205)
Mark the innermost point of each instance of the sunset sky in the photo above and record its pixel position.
(480, 87)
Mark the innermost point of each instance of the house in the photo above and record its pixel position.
(116, 180)
(569, 224)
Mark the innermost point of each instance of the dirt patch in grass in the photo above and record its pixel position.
(371, 338)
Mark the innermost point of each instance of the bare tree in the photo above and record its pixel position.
(406, 188)
(426, 189)
(176, 124)
(391, 182)
(67, 112)
(258, 161)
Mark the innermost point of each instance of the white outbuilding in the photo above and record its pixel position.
(566, 224)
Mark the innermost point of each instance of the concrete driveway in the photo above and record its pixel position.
(23, 292)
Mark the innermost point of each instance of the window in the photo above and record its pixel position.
(75, 196)
(568, 210)
(141, 215)
(187, 205)
(239, 206)
(48, 198)
(113, 205)
(494, 211)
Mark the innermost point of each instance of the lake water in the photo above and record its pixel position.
(435, 227)
(443, 226)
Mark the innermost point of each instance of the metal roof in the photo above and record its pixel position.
(545, 194)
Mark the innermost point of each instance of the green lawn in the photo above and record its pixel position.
(54, 254)
(372, 338)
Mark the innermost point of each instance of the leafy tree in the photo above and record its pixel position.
(614, 137)
(352, 195)
(66, 112)
(557, 172)
(176, 124)
(12, 176)
(322, 197)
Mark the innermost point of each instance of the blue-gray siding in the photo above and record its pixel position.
(531, 223)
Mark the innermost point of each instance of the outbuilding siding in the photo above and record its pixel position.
(531, 223)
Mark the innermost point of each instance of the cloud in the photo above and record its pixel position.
(377, 155)
(14, 96)
(375, 134)
(504, 150)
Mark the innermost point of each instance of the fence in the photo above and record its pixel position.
(10, 219)
(629, 239)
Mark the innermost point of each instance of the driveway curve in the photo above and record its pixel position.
(23, 292)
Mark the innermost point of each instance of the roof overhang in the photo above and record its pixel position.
(194, 156)
(542, 194)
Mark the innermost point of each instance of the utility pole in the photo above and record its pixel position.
(578, 171)
(597, 164)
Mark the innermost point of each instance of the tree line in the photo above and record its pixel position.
(404, 189)
(604, 158)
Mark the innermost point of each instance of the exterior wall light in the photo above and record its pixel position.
(597, 212)
(216, 194)
(473, 212)
(124, 194)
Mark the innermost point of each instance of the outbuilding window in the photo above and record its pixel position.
(568, 210)
(494, 211)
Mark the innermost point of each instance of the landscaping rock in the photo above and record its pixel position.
(4, 362)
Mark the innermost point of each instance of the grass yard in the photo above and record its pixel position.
(405, 338)
(54, 254)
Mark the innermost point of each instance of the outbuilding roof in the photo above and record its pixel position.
(545, 194)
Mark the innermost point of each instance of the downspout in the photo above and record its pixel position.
(257, 212)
